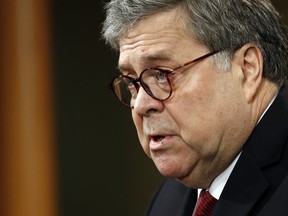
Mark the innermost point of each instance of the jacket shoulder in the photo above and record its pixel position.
(172, 199)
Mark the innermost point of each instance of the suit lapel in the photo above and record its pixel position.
(241, 192)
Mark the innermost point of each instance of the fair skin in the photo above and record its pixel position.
(195, 134)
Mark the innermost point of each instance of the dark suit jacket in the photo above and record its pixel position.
(258, 185)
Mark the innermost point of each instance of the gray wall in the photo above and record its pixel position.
(102, 169)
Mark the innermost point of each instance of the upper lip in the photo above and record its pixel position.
(156, 135)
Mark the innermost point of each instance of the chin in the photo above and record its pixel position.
(171, 171)
(195, 181)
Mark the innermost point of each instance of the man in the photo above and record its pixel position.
(205, 81)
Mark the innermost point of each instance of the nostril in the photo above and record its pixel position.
(150, 111)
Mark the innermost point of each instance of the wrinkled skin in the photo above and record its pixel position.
(195, 134)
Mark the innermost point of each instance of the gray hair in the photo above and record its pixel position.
(219, 24)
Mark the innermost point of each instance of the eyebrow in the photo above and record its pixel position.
(159, 56)
(146, 58)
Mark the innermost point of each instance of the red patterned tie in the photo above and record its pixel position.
(205, 204)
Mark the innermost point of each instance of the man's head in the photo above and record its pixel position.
(215, 103)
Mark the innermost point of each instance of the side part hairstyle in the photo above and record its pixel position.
(219, 24)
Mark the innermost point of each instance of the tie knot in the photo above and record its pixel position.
(205, 204)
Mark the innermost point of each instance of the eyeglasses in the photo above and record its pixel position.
(155, 82)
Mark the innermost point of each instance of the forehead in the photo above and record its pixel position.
(155, 23)
(156, 37)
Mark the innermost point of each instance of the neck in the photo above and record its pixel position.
(265, 94)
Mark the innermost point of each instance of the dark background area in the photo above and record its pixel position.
(102, 169)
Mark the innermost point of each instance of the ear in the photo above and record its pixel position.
(250, 59)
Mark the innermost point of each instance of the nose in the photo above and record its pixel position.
(144, 104)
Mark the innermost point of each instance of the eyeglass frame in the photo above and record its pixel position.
(137, 82)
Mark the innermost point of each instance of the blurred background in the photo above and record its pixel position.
(67, 147)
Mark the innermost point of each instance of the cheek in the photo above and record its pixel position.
(194, 108)
(200, 117)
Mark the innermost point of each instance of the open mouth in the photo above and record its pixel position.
(157, 138)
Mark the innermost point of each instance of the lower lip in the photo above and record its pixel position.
(159, 145)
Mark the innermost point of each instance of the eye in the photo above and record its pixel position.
(160, 76)
(129, 84)
(131, 87)
(155, 77)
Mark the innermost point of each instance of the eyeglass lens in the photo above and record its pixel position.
(153, 81)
